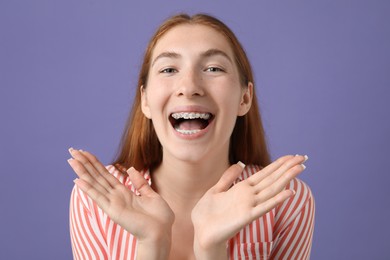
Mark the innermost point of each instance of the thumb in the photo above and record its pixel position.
(228, 177)
(139, 182)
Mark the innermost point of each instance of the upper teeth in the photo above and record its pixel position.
(191, 115)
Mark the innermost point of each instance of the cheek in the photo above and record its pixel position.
(229, 97)
(157, 96)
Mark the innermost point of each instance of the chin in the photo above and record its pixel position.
(189, 154)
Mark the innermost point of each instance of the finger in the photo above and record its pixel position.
(101, 169)
(97, 196)
(139, 182)
(98, 175)
(264, 193)
(272, 167)
(228, 177)
(288, 165)
(85, 175)
(265, 206)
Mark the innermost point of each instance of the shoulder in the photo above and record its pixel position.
(119, 173)
(302, 190)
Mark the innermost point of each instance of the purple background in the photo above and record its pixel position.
(67, 76)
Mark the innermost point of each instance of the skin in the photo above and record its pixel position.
(192, 209)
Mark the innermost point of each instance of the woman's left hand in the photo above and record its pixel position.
(225, 209)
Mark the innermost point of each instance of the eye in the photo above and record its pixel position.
(168, 70)
(214, 69)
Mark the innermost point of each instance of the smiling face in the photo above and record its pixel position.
(194, 95)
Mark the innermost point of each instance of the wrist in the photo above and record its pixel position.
(156, 247)
(217, 251)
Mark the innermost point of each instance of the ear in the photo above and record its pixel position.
(246, 99)
(144, 103)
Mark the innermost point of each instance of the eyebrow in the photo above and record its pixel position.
(216, 52)
(167, 54)
(206, 54)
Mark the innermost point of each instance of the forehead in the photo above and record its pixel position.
(192, 38)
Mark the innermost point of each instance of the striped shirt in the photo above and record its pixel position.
(283, 233)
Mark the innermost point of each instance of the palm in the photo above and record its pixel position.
(225, 213)
(139, 215)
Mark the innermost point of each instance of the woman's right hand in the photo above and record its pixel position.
(148, 216)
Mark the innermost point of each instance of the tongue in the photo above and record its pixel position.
(193, 124)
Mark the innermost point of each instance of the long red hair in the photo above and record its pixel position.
(140, 146)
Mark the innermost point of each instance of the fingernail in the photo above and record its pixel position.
(70, 150)
(297, 155)
(75, 180)
(303, 166)
(131, 169)
(306, 158)
(69, 160)
(294, 192)
(241, 164)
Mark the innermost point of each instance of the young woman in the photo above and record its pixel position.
(179, 188)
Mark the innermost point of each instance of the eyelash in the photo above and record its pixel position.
(215, 69)
(168, 70)
(210, 69)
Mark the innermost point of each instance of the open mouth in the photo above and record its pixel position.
(189, 123)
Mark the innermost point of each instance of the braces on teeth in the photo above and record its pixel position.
(191, 115)
(187, 132)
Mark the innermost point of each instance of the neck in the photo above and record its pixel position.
(184, 183)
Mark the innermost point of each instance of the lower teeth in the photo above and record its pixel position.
(188, 132)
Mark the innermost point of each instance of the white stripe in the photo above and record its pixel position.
(299, 236)
(257, 250)
(123, 245)
(74, 238)
(300, 228)
(109, 235)
(265, 251)
(269, 225)
(79, 233)
(262, 229)
(308, 236)
(96, 228)
(89, 234)
(287, 218)
(115, 241)
(248, 234)
(239, 245)
(248, 250)
(255, 236)
(77, 228)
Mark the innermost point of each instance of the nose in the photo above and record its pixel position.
(190, 85)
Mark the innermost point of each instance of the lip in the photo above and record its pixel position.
(198, 109)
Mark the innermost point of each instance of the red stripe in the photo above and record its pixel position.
(288, 239)
(133, 248)
(78, 242)
(81, 229)
(76, 251)
(126, 246)
(118, 249)
(99, 221)
(308, 237)
(288, 205)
